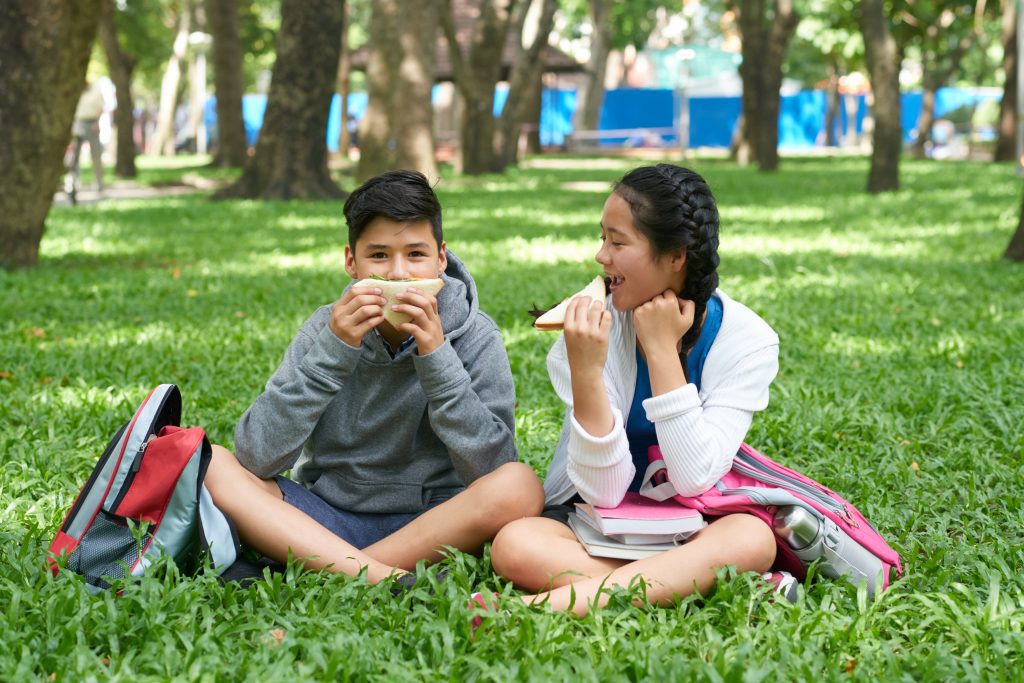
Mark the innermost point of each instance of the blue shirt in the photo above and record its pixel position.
(639, 430)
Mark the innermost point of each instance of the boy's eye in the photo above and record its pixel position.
(378, 255)
(418, 254)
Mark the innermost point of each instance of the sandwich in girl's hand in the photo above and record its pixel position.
(392, 288)
(555, 318)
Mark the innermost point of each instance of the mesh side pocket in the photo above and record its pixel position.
(108, 549)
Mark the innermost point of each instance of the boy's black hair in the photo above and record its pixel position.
(398, 195)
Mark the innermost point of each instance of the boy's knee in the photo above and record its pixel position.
(514, 487)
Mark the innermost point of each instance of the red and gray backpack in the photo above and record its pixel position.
(146, 498)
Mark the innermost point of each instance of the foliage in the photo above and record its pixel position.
(902, 339)
(827, 34)
(632, 22)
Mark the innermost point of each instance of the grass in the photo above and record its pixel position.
(901, 387)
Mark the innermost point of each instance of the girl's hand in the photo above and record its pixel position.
(661, 323)
(586, 330)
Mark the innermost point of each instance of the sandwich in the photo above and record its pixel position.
(555, 318)
(390, 289)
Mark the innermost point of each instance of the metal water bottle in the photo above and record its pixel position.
(800, 530)
(813, 539)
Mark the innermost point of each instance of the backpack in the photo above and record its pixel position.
(810, 521)
(146, 498)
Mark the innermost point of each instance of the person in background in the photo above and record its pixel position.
(86, 129)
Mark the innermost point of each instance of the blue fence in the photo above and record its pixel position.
(712, 119)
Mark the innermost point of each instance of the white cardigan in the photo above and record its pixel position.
(698, 433)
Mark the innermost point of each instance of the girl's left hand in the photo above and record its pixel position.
(661, 322)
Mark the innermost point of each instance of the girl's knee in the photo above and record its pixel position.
(755, 545)
(512, 547)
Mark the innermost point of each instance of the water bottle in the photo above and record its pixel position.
(813, 538)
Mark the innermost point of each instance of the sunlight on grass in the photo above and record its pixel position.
(902, 342)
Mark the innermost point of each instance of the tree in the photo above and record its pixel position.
(766, 30)
(525, 82)
(44, 50)
(121, 65)
(884, 69)
(414, 119)
(475, 76)
(1015, 249)
(232, 149)
(941, 32)
(291, 156)
(600, 46)
(375, 152)
(162, 141)
(1006, 143)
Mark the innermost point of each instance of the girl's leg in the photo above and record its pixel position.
(467, 521)
(538, 554)
(740, 540)
(273, 527)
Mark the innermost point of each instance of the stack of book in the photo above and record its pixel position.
(637, 528)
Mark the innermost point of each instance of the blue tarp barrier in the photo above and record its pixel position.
(712, 119)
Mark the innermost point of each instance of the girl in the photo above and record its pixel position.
(625, 370)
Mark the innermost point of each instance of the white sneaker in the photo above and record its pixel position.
(785, 584)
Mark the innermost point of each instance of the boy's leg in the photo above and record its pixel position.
(740, 540)
(467, 521)
(273, 527)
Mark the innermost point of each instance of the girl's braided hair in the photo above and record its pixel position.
(674, 208)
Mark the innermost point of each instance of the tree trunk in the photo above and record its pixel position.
(1006, 144)
(534, 104)
(526, 72)
(832, 105)
(1015, 249)
(925, 120)
(344, 86)
(934, 78)
(232, 149)
(375, 130)
(589, 104)
(884, 70)
(475, 77)
(414, 119)
(291, 156)
(162, 141)
(764, 49)
(44, 50)
(121, 66)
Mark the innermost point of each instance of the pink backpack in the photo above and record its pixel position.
(810, 521)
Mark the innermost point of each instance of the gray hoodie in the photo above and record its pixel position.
(369, 432)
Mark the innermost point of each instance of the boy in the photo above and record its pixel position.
(401, 437)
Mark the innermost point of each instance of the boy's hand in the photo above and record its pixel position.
(586, 330)
(356, 313)
(661, 322)
(425, 325)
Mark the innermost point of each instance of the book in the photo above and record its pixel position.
(639, 515)
(598, 545)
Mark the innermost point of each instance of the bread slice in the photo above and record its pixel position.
(392, 288)
(555, 318)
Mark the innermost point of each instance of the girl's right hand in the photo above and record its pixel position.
(586, 330)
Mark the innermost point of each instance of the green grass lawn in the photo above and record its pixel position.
(901, 387)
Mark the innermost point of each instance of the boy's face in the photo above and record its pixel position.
(396, 250)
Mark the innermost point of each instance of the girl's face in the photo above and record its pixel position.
(637, 276)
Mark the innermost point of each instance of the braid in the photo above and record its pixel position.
(676, 210)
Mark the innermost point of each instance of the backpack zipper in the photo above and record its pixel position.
(130, 476)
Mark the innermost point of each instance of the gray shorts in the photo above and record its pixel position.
(361, 529)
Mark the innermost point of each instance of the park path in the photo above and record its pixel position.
(125, 189)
